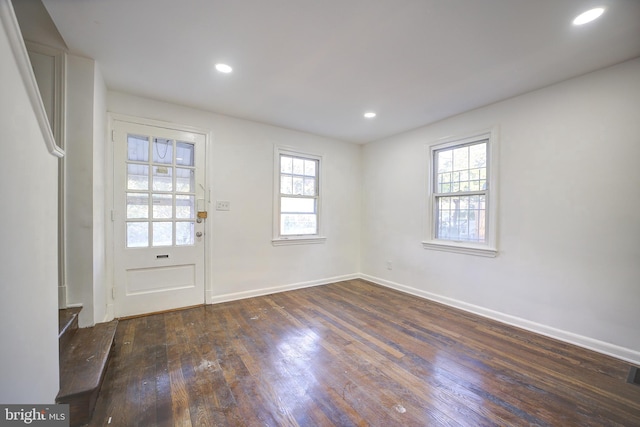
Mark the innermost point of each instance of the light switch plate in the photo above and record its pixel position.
(223, 205)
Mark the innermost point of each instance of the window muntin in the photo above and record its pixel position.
(298, 197)
(460, 192)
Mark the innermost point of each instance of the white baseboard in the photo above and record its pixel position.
(215, 299)
(609, 349)
(77, 305)
(110, 313)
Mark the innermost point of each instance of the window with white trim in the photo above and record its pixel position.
(462, 195)
(297, 197)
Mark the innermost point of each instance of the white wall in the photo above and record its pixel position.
(569, 227)
(242, 260)
(79, 186)
(99, 212)
(84, 190)
(28, 261)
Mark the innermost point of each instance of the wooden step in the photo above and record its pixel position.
(83, 363)
(67, 326)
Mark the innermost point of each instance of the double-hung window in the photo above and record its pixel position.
(462, 195)
(297, 197)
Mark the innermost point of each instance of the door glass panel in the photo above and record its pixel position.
(138, 148)
(185, 207)
(185, 180)
(162, 151)
(137, 205)
(162, 178)
(137, 234)
(163, 206)
(184, 233)
(137, 177)
(162, 233)
(155, 199)
(185, 154)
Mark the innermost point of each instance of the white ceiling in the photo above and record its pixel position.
(318, 65)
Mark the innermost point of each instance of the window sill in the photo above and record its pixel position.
(461, 248)
(298, 240)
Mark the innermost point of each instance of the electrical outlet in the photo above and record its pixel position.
(389, 265)
(223, 205)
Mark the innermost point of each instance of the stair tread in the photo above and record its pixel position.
(83, 363)
(66, 317)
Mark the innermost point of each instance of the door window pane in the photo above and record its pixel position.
(160, 197)
(162, 151)
(137, 205)
(185, 154)
(137, 177)
(185, 180)
(138, 148)
(162, 233)
(137, 234)
(184, 233)
(162, 206)
(185, 207)
(162, 178)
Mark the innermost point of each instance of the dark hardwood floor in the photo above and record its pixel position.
(353, 353)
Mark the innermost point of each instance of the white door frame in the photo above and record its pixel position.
(110, 202)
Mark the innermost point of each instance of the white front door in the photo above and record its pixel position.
(159, 239)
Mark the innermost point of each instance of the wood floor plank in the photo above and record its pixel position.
(353, 354)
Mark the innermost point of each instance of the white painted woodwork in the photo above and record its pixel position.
(155, 278)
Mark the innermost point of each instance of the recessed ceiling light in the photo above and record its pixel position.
(224, 68)
(588, 16)
(370, 115)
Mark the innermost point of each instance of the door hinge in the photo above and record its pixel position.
(113, 135)
(113, 293)
(113, 215)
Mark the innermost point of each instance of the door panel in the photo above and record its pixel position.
(159, 240)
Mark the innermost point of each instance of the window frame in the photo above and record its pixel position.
(489, 247)
(278, 238)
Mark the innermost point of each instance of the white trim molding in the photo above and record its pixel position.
(283, 240)
(609, 349)
(112, 118)
(462, 248)
(216, 299)
(295, 240)
(12, 29)
(489, 247)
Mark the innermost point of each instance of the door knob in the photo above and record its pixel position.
(199, 234)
